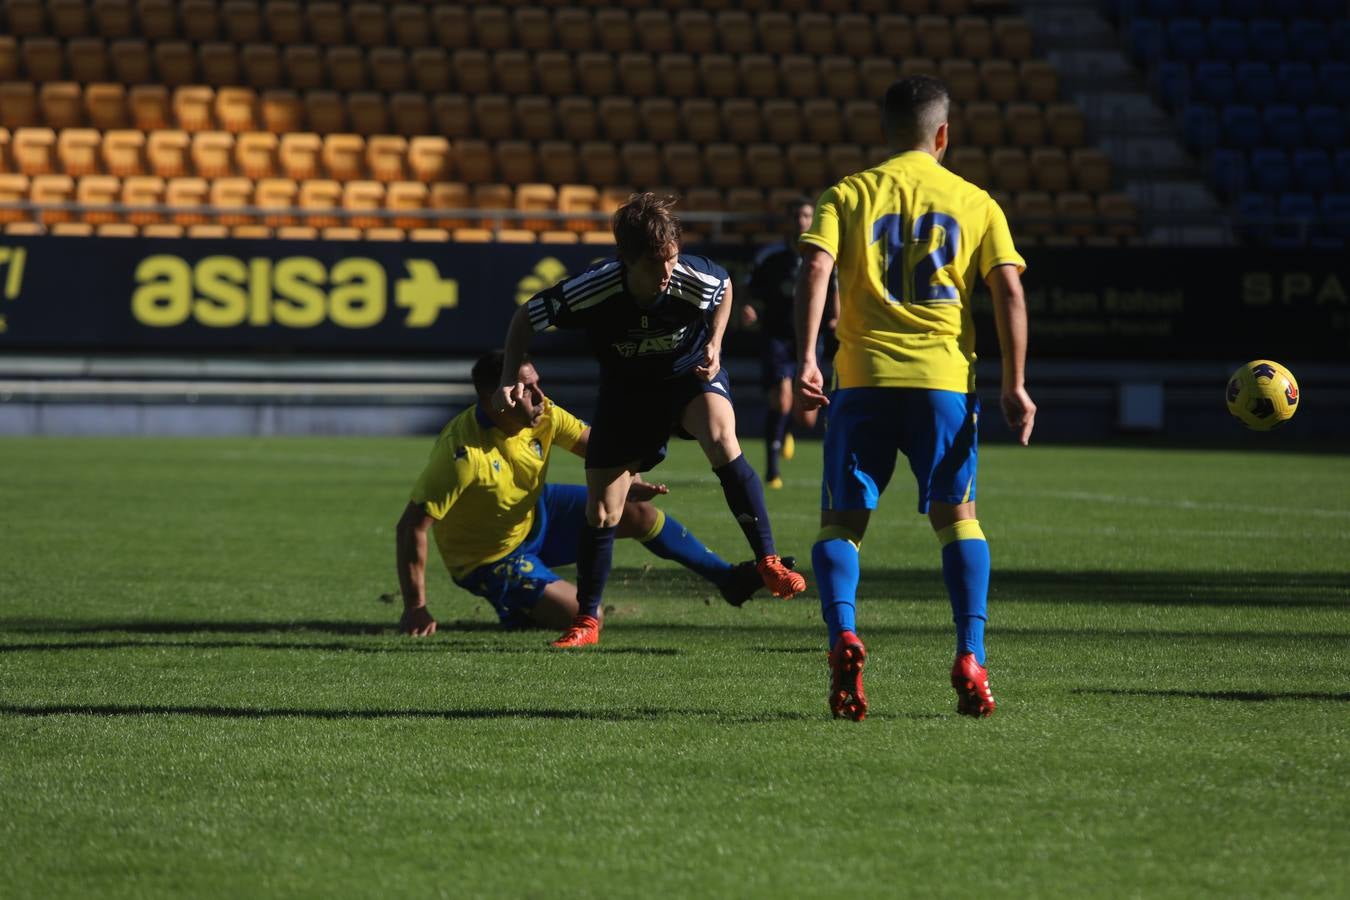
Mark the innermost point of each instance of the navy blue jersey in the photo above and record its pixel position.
(661, 340)
(773, 282)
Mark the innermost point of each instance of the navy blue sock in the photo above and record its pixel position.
(745, 498)
(595, 554)
(669, 539)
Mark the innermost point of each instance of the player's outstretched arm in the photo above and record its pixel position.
(813, 286)
(1010, 314)
(411, 543)
(518, 336)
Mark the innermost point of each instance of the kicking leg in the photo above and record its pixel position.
(606, 492)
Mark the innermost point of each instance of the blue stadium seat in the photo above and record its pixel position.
(1268, 40)
(1186, 39)
(1214, 83)
(1342, 164)
(1298, 82)
(1228, 170)
(1255, 83)
(1324, 126)
(1254, 212)
(1200, 127)
(1147, 39)
(1309, 40)
(1228, 39)
(1284, 125)
(1173, 80)
(1270, 171)
(1335, 232)
(1312, 171)
(1297, 213)
(1241, 126)
(1334, 77)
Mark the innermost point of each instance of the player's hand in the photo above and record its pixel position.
(507, 396)
(810, 388)
(1019, 412)
(748, 315)
(712, 363)
(640, 490)
(417, 622)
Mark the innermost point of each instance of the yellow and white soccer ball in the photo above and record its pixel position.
(1262, 394)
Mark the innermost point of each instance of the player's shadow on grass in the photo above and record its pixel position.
(1284, 590)
(408, 646)
(1243, 696)
(640, 714)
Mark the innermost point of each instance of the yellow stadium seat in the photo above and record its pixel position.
(18, 105)
(512, 72)
(782, 121)
(175, 63)
(453, 116)
(185, 195)
(69, 229)
(516, 163)
(735, 31)
(974, 37)
(192, 108)
(1034, 214)
(1076, 213)
(971, 164)
(285, 21)
(839, 75)
(856, 35)
(1039, 81)
(558, 163)
(116, 230)
(614, 30)
(9, 58)
(600, 163)
(131, 62)
(962, 79)
(660, 117)
(13, 189)
(453, 30)
(695, 29)
(493, 116)
(472, 236)
(106, 105)
(1050, 169)
(766, 166)
(1065, 124)
(777, 34)
(411, 25)
(236, 109)
(533, 117)
(429, 235)
(299, 155)
(368, 23)
(983, 124)
(700, 120)
(619, 118)
(876, 75)
(725, 165)
(78, 151)
(862, 122)
(87, 60)
(578, 198)
(343, 156)
(1091, 170)
(815, 33)
(1025, 124)
(535, 27)
(1119, 215)
(474, 161)
(554, 74)
(358, 196)
(123, 153)
(447, 196)
(822, 119)
(637, 74)
(279, 194)
(895, 36)
(473, 71)
(641, 163)
(232, 193)
(429, 158)
(558, 237)
(388, 69)
(95, 191)
(577, 118)
(653, 31)
(683, 163)
(262, 66)
(409, 197)
(1013, 35)
(346, 68)
(741, 121)
(163, 230)
(34, 150)
(493, 200)
(282, 112)
(43, 59)
(212, 153)
(242, 20)
(198, 20)
(430, 68)
(800, 77)
(1011, 169)
(113, 18)
(62, 104)
(255, 154)
(297, 233)
(596, 74)
(409, 113)
(385, 155)
(304, 67)
(678, 74)
(326, 24)
(719, 76)
(492, 28)
(806, 166)
(142, 190)
(325, 112)
(845, 159)
(385, 233)
(315, 198)
(536, 198)
(999, 80)
(599, 238)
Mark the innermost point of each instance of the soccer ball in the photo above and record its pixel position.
(1262, 394)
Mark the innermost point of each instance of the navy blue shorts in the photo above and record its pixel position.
(866, 427)
(514, 583)
(635, 421)
(778, 360)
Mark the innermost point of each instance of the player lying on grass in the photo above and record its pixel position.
(910, 238)
(501, 528)
(655, 319)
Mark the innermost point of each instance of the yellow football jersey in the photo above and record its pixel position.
(481, 486)
(909, 239)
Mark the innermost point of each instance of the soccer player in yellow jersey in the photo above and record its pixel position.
(500, 527)
(909, 239)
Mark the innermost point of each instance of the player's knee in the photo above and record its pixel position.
(603, 516)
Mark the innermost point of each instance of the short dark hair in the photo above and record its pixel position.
(645, 226)
(914, 108)
(487, 371)
(790, 207)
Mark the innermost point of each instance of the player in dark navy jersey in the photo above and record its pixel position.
(773, 284)
(655, 319)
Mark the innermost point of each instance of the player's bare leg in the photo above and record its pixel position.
(965, 569)
(606, 495)
(557, 607)
(835, 559)
(710, 418)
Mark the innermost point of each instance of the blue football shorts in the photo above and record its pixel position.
(867, 427)
(514, 583)
(634, 420)
(778, 360)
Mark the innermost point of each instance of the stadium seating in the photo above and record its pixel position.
(1262, 96)
(738, 101)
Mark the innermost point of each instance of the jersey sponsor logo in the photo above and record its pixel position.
(647, 346)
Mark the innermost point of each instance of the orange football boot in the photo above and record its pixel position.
(971, 680)
(583, 632)
(847, 700)
(778, 578)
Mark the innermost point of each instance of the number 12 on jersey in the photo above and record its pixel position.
(924, 287)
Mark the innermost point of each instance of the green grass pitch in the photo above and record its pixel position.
(201, 694)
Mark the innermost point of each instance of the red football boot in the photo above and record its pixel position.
(583, 632)
(971, 680)
(847, 700)
(778, 578)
